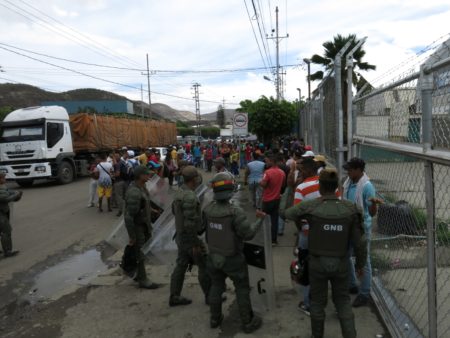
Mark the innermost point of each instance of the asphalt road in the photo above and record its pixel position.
(49, 220)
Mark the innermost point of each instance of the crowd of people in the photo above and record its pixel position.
(286, 181)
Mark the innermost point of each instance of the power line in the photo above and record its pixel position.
(107, 49)
(263, 38)
(49, 27)
(101, 79)
(256, 38)
(72, 61)
(177, 71)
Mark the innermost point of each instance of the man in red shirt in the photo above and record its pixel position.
(272, 183)
(248, 153)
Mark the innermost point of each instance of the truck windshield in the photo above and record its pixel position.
(26, 133)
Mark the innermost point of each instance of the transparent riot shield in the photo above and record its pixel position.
(162, 245)
(258, 253)
(161, 194)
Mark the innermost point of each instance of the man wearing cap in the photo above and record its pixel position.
(220, 165)
(227, 228)
(6, 196)
(359, 190)
(334, 225)
(137, 218)
(309, 153)
(321, 163)
(144, 157)
(191, 249)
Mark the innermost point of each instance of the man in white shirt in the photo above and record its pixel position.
(104, 188)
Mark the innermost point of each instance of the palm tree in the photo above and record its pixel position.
(330, 52)
(332, 48)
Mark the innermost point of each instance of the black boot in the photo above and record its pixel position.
(179, 301)
(215, 323)
(11, 253)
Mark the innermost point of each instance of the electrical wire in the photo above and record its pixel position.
(177, 71)
(263, 38)
(45, 24)
(256, 38)
(104, 80)
(94, 42)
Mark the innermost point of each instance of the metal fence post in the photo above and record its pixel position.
(426, 81)
(339, 110)
(322, 122)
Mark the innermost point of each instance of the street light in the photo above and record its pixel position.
(300, 124)
(267, 78)
(308, 62)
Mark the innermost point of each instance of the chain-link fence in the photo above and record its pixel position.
(402, 131)
(411, 244)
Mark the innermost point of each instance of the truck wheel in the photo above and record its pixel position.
(25, 183)
(65, 173)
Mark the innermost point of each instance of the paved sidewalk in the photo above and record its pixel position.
(114, 307)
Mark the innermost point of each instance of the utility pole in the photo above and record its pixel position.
(277, 39)
(149, 92)
(142, 101)
(197, 106)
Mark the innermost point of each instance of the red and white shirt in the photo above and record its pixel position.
(307, 190)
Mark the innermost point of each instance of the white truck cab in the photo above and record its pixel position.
(36, 143)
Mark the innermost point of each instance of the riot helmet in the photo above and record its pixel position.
(190, 173)
(223, 185)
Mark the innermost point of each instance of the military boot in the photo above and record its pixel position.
(253, 325)
(179, 301)
(148, 284)
(215, 323)
(10, 253)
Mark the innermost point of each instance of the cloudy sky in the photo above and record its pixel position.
(204, 35)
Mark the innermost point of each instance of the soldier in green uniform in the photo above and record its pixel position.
(6, 196)
(191, 249)
(226, 228)
(333, 226)
(138, 221)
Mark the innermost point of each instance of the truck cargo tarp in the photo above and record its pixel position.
(93, 132)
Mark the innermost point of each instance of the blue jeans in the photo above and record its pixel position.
(280, 225)
(366, 280)
(243, 162)
(303, 244)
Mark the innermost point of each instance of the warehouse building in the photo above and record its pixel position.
(94, 106)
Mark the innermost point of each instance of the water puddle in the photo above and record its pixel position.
(78, 269)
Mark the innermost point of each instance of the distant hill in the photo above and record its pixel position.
(229, 113)
(23, 95)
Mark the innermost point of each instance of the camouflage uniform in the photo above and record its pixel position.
(191, 249)
(334, 225)
(227, 228)
(138, 223)
(6, 196)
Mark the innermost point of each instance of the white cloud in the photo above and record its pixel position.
(207, 34)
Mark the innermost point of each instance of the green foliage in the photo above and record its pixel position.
(443, 233)
(331, 48)
(220, 116)
(184, 131)
(206, 132)
(5, 110)
(182, 124)
(269, 118)
(210, 132)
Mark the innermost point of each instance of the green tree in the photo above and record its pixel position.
(5, 110)
(220, 117)
(331, 49)
(182, 124)
(269, 118)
